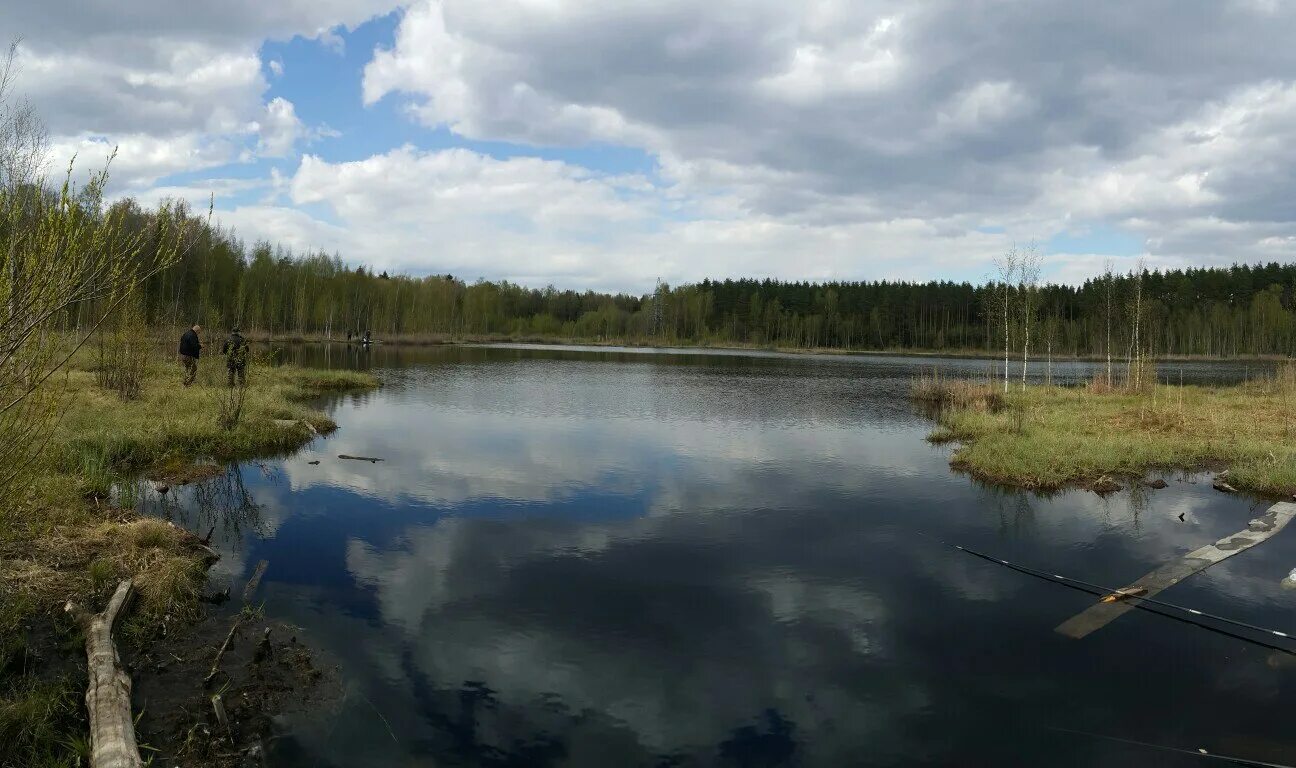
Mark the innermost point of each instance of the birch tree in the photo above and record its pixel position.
(1029, 263)
(1006, 266)
(1108, 281)
(1134, 363)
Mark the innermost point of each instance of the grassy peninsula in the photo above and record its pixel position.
(71, 536)
(1048, 437)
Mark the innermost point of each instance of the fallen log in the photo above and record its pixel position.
(369, 459)
(108, 696)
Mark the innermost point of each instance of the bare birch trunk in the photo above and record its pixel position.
(1005, 339)
(1107, 278)
(1025, 336)
(1138, 351)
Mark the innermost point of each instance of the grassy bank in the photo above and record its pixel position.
(67, 538)
(1049, 437)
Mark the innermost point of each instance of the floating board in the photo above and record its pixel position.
(1102, 614)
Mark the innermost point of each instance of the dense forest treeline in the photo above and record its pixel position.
(219, 281)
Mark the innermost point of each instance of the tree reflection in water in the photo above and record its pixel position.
(221, 504)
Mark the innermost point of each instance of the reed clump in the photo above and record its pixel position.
(950, 392)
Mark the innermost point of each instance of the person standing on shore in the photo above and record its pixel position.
(190, 351)
(235, 350)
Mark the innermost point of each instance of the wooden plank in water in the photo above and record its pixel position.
(1258, 530)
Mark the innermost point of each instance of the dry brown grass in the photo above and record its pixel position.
(945, 392)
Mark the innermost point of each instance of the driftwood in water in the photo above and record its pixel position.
(108, 696)
(248, 591)
(255, 581)
(369, 459)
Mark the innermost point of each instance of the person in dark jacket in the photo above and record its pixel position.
(235, 350)
(190, 351)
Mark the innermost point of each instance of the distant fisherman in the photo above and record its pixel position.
(190, 350)
(235, 350)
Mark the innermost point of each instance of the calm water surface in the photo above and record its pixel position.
(592, 557)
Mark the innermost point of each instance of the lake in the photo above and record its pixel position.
(613, 557)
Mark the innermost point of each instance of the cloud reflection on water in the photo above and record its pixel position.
(596, 564)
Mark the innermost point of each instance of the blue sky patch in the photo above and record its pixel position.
(1098, 239)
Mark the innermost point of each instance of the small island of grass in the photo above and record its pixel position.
(1047, 437)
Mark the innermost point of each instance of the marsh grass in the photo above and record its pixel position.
(70, 532)
(169, 423)
(952, 392)
(1049, 437)
(101, 446)
(35, 720)
(96, 475)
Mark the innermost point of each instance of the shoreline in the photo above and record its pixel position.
(444, 340)
(78, 533)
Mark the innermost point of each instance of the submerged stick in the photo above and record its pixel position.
(248, 591)
(255, 581)
(108, 695)
(215, 669)
(369, 459)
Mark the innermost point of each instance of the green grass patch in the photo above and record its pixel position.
(38, 721)
(1047, 438)
(312, 381)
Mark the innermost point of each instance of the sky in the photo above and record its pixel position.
(606, 145)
